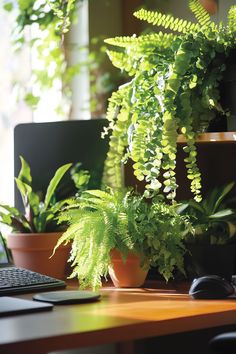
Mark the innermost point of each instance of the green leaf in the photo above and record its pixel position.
(54, 182)
(222, 214)
(24, 4)
(31, 100)
(11, 210)
(25, 174)
(8, 6)
(24, 189)
(224, 192)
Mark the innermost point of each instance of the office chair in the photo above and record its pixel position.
(224, 343)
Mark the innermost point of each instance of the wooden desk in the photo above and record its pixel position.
(122, 315)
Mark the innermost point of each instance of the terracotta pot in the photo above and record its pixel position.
(128, 273)
(33, 251)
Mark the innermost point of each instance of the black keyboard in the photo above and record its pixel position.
(20, 280)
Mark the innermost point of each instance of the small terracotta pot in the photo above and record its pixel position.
(128, 273)
(33, 251)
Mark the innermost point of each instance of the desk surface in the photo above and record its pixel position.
(120, 315)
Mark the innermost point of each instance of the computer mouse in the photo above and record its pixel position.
(210, 287)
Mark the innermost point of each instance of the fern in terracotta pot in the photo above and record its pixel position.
(35, 231)
(105, 226)
(174, 88)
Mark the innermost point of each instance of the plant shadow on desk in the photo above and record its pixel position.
(212, 250)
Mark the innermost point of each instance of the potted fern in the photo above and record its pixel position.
(35, 231)
(174, 88)
(106, 227)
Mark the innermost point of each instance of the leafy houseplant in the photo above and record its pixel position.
(39, 216)
(174, 88)
(212, 249)
(214, 218)
(35, 232)
(101, 221)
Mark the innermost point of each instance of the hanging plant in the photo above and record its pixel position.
(173, 89)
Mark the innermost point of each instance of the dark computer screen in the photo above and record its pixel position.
(47, 146)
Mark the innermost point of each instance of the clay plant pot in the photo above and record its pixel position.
(33, 251)
(126, 274)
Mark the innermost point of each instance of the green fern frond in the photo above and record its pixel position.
(160, 39)
(106, 197)
(200, 13)
(120, 61)
(122, 41)
(88, 252)
(232, 18)
(65, 238)
(167, 21)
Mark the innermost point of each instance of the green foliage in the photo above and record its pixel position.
(62, 10)
(48, 22)
(214, 218)
(50, 19)
(173, 90)
(80, 177)
(167, 21)
(39, 215)
(100, 221)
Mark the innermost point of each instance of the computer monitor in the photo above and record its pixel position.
(47, 146)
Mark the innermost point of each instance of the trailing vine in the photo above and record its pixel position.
(174, 89)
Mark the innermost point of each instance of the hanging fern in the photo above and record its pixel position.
(174, 89)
